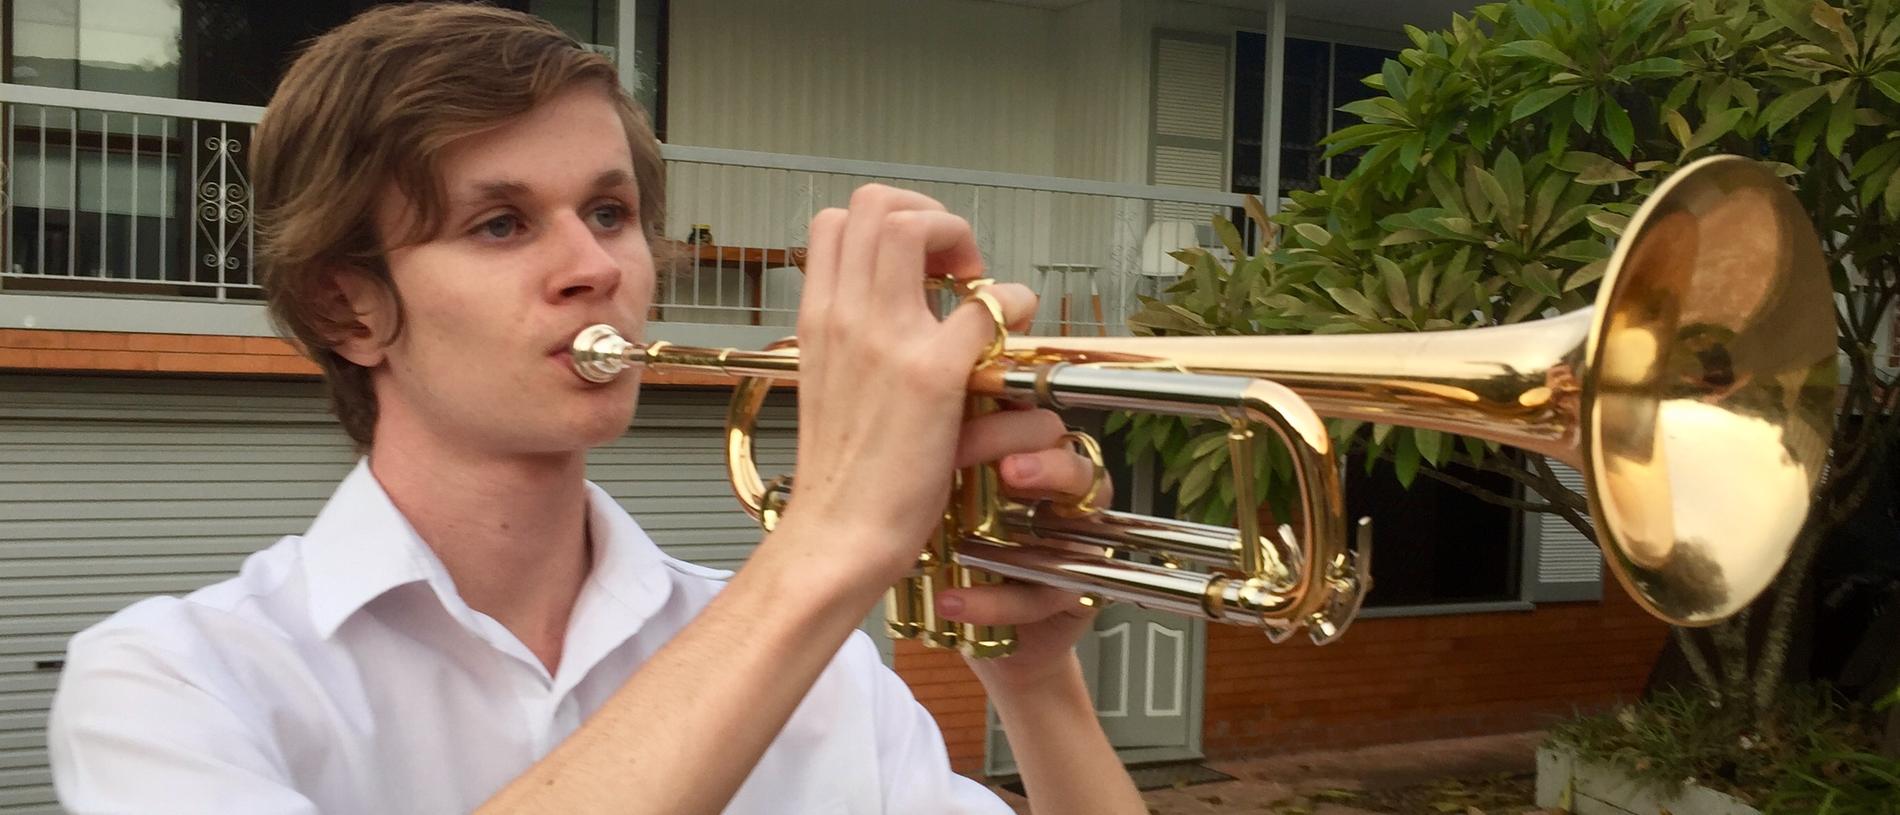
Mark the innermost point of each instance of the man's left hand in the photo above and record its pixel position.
(1034, 462)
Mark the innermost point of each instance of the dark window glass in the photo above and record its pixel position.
(1351, 65)
(1434, 543)
(1303, 113)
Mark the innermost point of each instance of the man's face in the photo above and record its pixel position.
(541, 238)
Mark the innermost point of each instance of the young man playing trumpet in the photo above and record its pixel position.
(448, 195)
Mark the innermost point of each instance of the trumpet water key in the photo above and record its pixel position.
(1696, 398)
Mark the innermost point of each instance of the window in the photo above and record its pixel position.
(234, 50)
(1321, 77)
(1434, 543)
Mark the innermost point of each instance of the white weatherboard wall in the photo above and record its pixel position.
(945, 83)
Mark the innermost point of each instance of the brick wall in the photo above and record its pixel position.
(106, 351)
(950, 691)
(1426, 677)
(1386, 681)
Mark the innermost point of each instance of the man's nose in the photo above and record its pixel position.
(585, 266)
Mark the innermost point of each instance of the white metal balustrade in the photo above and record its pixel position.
(1088, 247)
(138, 195)
(127, 194)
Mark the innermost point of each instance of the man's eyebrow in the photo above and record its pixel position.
(483, 192)
(616, 177)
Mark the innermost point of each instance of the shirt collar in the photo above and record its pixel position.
(360, 547)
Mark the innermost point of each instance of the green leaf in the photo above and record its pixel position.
(1206, 444)
(1406, 235)
(1352, 300)
(1594, 169)
(1405, 460)
(1586, 109)
(1888, 83)
(1230, 237)
(1314, 234)
(1679, 95)
(1616, 125)
(1359, 135)
(1492, 189)
(1116, 421)
(1797, 15)
(1783, 110)
(1654, 66)
(1396, 288)
(1431, 445)
(1586, 275)
(1715, 127)
(1609, 222)
(1426, 277)
(1539, 50)
(1831, 19)
(1541, 279)
(1510, 176)
(1459, 274)
(1678, 127)
(1840, 122)
(1807, 138)
(1537, 100)
(1196, 482)
(1523, 305)
(1544, 203)
(1891, 199)
(1409, 151)
(1394, 75)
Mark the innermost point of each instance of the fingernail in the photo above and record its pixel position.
(949, 604)
(1025, 467)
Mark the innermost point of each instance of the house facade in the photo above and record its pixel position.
(154, 431)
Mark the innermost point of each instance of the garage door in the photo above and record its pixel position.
(114, 489)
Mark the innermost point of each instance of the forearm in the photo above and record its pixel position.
(684, 732)
(1066, 761)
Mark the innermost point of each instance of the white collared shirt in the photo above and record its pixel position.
(340, 672)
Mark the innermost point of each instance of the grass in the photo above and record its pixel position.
(1810, 754)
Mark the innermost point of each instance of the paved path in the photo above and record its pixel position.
(1340, 782)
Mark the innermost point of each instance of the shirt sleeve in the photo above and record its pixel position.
(915, 765)
(130, 732)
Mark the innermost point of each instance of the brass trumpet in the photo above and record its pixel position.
(1696, 397)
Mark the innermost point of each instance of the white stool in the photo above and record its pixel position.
(1063, 272)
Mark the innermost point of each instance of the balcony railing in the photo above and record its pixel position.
(146, 196)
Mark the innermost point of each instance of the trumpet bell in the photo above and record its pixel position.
(1710, 407)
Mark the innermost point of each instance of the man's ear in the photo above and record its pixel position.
(364, 314)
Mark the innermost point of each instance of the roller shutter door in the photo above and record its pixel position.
(115, 489)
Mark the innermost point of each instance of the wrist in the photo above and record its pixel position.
(825, 559)
(1060, 685)
(1058, 704)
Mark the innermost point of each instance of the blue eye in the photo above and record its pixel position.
(501, 226)
(609, 216)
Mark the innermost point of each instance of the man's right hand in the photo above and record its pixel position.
(881, 379)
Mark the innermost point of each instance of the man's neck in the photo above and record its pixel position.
(512, 531)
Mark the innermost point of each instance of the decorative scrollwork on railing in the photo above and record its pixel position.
(223, 207)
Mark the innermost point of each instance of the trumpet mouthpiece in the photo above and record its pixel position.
(599, 353)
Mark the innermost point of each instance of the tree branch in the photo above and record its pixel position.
(1698, 663)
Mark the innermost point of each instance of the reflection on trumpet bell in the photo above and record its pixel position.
(1696, 397)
